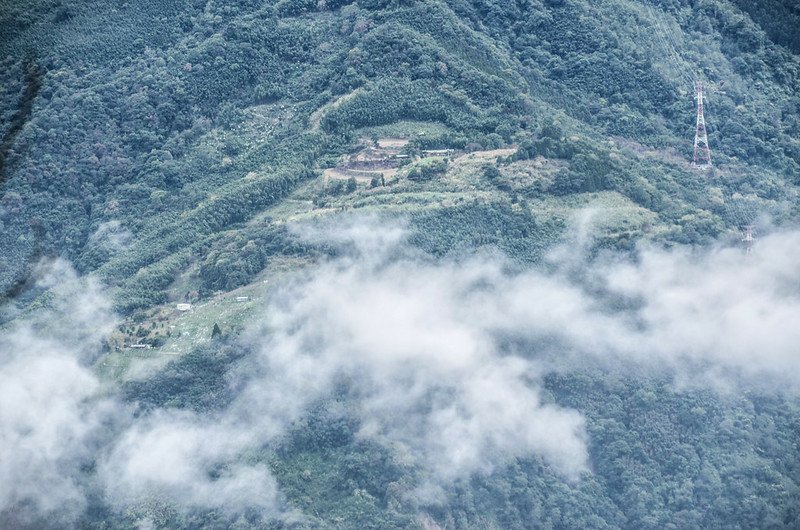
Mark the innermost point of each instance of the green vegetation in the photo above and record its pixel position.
(661, 459)
(168, 146)
(158, 130)
(427, 169)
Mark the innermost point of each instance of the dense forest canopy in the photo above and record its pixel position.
(398, 264)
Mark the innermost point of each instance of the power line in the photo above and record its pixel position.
(736, 209)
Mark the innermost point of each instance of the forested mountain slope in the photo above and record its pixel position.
(168, 148)
(140, 109)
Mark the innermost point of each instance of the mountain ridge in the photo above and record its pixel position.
(214, 155)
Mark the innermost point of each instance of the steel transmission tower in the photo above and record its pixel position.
(702, 153)
(749, 238)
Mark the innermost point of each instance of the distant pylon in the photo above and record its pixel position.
(749, 239)
(702, 153)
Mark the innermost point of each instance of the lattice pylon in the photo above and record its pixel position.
(702, 153)
(749, 238)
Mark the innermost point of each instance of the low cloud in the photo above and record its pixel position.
(719, 307)
(53, 407)
(111, 236)
(443, 361)
(189, 461)
(407, 334)
(414, 339)
(709, 314)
